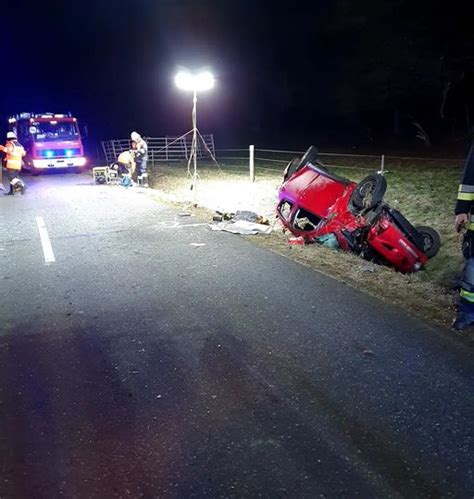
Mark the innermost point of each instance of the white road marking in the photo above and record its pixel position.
(45, 241)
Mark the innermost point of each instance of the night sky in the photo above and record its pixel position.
(341, 73)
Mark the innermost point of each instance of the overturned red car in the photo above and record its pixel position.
(315, 202)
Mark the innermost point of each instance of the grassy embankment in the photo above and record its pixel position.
(424, 193)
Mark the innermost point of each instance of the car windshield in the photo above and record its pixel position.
(54, 130)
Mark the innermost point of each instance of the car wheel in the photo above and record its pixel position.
(310, 156)
(369, 192)
(431, 241)
(291, 168)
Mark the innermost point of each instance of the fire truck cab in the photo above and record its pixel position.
(51, 141)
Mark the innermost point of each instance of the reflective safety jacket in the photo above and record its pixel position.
(140, 151)
(14, 153)
(465, 201)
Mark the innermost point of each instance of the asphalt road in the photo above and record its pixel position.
(137, 364)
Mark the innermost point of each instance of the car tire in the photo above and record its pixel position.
(292, 167)
(431, 240)
(310, 156)
(369, 192)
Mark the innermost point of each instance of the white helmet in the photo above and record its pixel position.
(11, 136)
(135, 136)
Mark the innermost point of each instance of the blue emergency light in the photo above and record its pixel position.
(49, 154)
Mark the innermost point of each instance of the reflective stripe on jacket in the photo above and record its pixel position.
(465, 198)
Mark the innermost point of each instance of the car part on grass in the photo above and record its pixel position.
(296, 241)
(314, 201)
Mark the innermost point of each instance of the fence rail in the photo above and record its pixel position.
(368, 162)
(176, 149)
(161, 149)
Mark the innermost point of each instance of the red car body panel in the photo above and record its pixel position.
(314, 191)
(388, 240)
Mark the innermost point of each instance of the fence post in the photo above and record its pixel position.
(382, 164)
(252, 163)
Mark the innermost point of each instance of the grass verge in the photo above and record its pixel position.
(425, 194)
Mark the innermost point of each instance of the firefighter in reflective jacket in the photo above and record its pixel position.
(140, 154)
(465, 219)
(14, 152)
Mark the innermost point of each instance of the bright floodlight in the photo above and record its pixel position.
(194, 82)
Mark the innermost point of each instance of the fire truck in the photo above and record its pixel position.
(51, 141)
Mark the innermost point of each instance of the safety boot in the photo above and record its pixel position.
(464, 318)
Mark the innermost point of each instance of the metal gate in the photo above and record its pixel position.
(161, 149)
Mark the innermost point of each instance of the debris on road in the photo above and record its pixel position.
(242, 227)
(197, 245)
(184, 214)
(250, 216)
(241, 222)
(224, 215)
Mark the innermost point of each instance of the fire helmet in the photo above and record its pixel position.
(11, 135)
(135, 136)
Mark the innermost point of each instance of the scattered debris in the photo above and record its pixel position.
(247, 216)
(250, 216)
(327, 240)
(367, 267)
(241, 222)
(242, 227)
(197, 245)
(225, 215)
(184, 214)
(296, 241)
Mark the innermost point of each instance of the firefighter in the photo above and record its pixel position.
(140, 153)
(465, 219)
(125, 163)
(14, 157)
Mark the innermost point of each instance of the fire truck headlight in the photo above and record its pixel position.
(81, 162)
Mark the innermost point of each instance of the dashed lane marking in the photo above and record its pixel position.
(45, 241)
